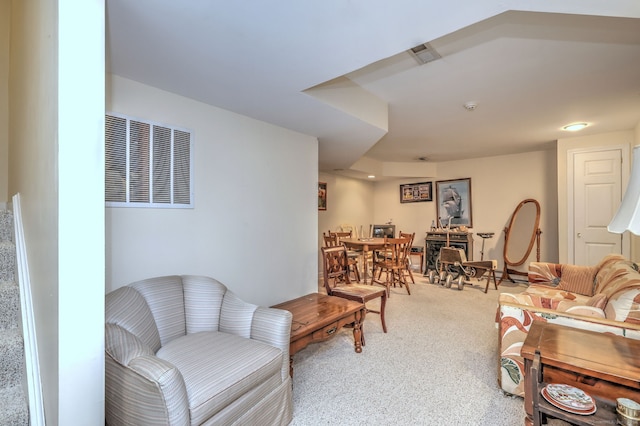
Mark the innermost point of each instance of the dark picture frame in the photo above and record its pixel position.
(453, 199)
(416, 192)
(322, 195)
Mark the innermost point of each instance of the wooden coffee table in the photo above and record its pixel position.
(603, 365)
(317, 317)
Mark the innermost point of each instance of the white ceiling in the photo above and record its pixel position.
(529, 71)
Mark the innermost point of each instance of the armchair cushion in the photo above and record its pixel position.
(240, 366)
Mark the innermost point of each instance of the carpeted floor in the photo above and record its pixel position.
(437, 365)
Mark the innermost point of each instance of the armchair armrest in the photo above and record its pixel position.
(273, 326)
(267, 325)
(148, 390)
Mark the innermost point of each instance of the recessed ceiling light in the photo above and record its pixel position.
(574, 127)
(371, 176)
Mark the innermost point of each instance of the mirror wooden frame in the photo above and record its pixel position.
(535, 239)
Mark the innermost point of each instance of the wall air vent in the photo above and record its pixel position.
(424, 53)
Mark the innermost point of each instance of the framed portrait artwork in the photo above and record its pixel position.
(416, 192)
(453, 198)
(322, 195)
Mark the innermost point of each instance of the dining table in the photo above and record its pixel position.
(366, 245)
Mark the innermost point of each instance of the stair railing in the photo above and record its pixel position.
(34, 383)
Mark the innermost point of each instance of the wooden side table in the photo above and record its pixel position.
(605, 366)
(317, 317)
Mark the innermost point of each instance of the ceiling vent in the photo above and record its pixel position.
(424, 53)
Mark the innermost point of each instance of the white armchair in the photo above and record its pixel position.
(184, 350)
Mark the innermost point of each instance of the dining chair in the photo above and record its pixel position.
(354, 255)
(342, 234)
(347, 227)
(337, 282)
(331, 239)
(408, 260)
(393, 264)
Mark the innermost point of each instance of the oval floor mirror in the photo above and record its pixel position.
(520, 235)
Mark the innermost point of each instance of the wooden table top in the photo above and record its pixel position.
(603, 356)
(316, 310)
(363, 242)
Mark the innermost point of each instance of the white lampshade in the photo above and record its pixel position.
(628, 216)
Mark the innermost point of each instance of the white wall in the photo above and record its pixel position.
(5, 26)
(349, 202)
(498, 184)
(254, 225)
(56, 157)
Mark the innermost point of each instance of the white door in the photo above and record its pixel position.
(597, 189)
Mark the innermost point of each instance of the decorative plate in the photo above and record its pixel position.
(569, 398)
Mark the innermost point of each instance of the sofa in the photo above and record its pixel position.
(184, 350)
(604, 298)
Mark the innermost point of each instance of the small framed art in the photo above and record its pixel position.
(416, 192)
(453, 198)
(322, 195)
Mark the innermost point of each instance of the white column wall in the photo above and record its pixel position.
(33, 151)
(55, 148)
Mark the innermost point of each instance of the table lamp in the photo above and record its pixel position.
(627, 218)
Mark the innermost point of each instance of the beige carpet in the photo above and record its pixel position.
(437, 365)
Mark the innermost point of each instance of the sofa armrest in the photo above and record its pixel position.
(140, 387)
(273, 326)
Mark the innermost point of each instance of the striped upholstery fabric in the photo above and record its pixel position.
(183, 350)
(202, 301)
(241, 365)
(166, 300)
(133, 398)
(578, 279)
(168, 380)
(236, 316)
(267, 326)
(124, 346)
(271, 405)
(127, 308)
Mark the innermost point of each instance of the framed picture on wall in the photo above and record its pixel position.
(453, 199)
(322, 195)
(416, 192)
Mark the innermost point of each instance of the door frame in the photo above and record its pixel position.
(625, 170)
